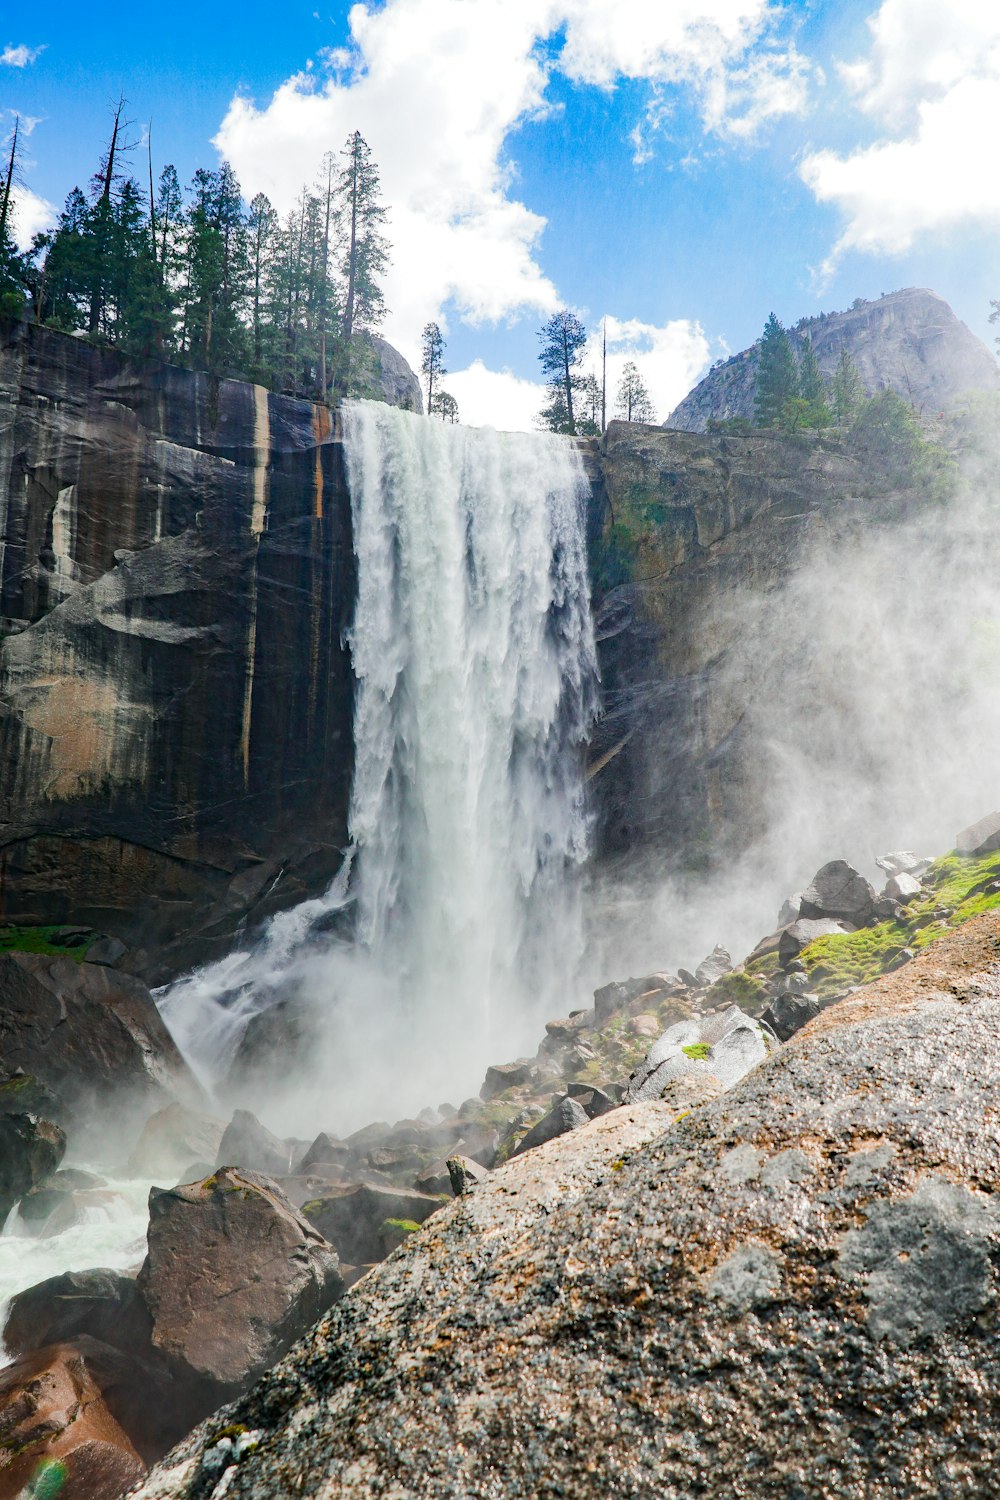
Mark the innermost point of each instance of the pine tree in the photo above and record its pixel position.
(633, 402)
(847, 393)
(263, 226)
(563, 340)
(432, 364)
(777, 375)
(589, 405)
(445, 406)
(364, 249)
(812, 388)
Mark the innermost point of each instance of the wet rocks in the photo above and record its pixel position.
(568, 1114)
(232, 1276)
(351, 1218)
(54, 1422)
(173, 1139)
(247, 1143)
(90, 1035)
(825, 1217)
(30, 1151)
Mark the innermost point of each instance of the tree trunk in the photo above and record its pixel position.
(104, 208)
(353, 255)
(5, 207)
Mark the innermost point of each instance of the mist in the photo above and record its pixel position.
(868, 686)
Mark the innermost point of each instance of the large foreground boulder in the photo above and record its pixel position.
(793, 1291)
(90, 1035)
(57, 1436)
(233, 1275)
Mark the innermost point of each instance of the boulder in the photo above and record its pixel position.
(106, 950)
(568, 1114)
(718, 963)
(21, 1094)
(980, 838)
(233, 1275)
(504, 1076)
(172, 1139)
(791, 910)
(464, 1174)
(90, 1035)
(792, 940)
(902, 888)
(787, 1013)
(723, 1046)
(30, 1151)
(325, 1150)
(611, 998)
(434, 1179)
(838, 891)
(351, 1218)
(56, 1430)
(902, 862)
(104, 1304)
(605, 1316)
(246, 1143)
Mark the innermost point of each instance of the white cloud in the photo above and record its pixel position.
(933, 75)
(19, 56)
(31, 214)
(920, 50)
(495, 398)
(438, 87)
(670, 360)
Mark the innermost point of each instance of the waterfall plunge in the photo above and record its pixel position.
(476, 680)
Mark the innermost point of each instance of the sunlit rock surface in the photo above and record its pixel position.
(790, 1290)
(909, 340)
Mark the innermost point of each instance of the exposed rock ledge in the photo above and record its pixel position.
(792, 1291)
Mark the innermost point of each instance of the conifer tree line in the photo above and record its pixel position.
(199, 277)
(576, 403)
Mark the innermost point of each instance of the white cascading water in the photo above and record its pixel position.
(476, 681)
(453, 928)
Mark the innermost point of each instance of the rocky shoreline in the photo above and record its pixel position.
(262, 1234)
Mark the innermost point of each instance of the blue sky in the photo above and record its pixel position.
(680, 168)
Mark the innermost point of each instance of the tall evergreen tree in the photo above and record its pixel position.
(364, 248)
(633, 402)
(563, 340)
(847, 393)
(777, 375)
(432, 361)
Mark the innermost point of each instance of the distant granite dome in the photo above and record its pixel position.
(909, 340)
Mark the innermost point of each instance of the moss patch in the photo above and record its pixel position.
(698, 1050)
(45, 940)
(743, 990)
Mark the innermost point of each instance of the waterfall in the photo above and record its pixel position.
(476, 681)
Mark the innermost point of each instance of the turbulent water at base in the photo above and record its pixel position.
(476, 681)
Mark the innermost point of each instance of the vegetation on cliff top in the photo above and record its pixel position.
(199, 278)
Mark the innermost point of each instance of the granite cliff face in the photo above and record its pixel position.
(688, 524)
(910, 341)
(175, 695)
(177, 574)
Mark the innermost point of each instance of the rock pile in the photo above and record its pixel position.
(790, 1290)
